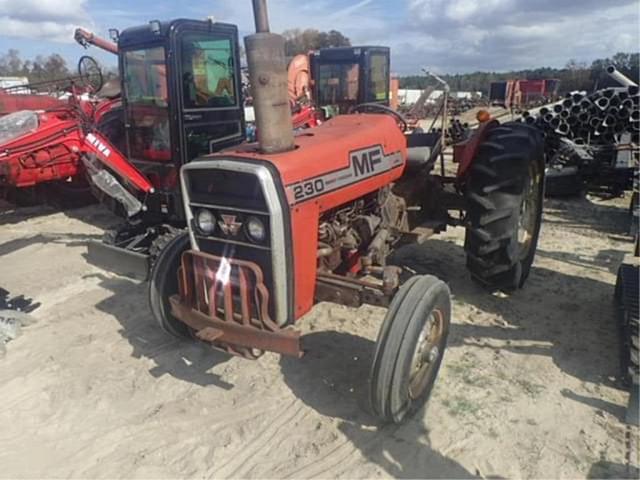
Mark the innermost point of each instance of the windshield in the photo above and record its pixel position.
(338, 83)
(145, 81)
(208, 77)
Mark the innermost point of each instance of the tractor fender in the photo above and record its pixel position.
(465, 152)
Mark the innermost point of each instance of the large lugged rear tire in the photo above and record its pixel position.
(627, 310)
(164, 282)
(410, 347)
(504, 192)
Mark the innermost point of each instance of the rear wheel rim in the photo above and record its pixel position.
(528, 215)
(426, 354)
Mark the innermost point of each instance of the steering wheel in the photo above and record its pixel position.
(373, 107)
(90, 73)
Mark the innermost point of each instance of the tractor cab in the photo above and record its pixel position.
(344, 77)
(181, 94)
(181, 99)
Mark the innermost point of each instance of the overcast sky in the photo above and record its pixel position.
(448, 36)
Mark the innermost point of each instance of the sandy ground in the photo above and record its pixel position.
(527, 388)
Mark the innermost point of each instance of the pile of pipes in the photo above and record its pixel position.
(598, 118)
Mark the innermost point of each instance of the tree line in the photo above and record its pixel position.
(39, 69)
(574, 76)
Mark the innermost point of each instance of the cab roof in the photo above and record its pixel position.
(156, 30)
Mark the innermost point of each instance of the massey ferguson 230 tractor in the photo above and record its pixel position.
(274, 227)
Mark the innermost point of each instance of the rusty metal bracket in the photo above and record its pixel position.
(350, 291)
(286, 342)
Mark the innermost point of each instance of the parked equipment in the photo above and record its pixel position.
(42, 137)
(182, 100)
(518, 94)
(52, 93)
(592, 140)
(275, 227)
(344, 77)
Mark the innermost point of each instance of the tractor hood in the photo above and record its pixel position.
(343, 150)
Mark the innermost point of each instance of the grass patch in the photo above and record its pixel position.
(467, 373)
(461, 406)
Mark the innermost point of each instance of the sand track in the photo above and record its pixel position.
(527, 388)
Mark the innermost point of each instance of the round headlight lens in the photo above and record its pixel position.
(255, 229)
(205, 221)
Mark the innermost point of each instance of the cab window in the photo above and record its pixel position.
(378, 90)
(338, 83)
(147, 105)
(208, 79)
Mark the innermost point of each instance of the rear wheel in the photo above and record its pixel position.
(164, 282)
(504, 201)
(409, 348)
(626, 297)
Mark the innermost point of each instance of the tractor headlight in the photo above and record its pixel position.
(205, 221)
(255, 229)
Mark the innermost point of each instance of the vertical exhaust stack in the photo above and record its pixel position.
(268, 76)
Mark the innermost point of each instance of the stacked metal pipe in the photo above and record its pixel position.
(598, 118)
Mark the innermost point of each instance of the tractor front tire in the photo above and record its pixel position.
(409, 348)
(164, 282)
(504, 192)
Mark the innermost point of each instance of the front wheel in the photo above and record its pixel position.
(504, 193)
(409, 348)
(164, 282)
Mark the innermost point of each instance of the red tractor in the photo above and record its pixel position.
(181, 100)
(330, 81)
(276, 226)
(42, 135)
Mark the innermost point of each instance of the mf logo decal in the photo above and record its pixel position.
(229, 225)
(366, 161)
(363, 163)
(98, 145)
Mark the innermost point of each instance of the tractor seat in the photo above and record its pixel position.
(422, 150)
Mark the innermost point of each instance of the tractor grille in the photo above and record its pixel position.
(228, 289)
(232, 189)
(236, 193)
